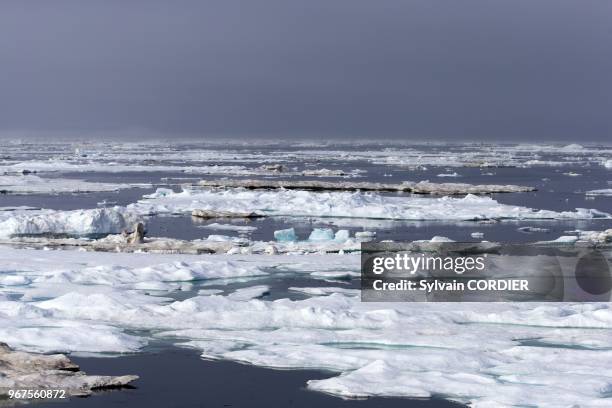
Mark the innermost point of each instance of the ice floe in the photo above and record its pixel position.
(66, 166)
(297, 203)
(230, 227)
(99, 221)
(31, 184)
(601, 192)
(285, 235)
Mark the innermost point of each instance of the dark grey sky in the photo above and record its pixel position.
(519, 69)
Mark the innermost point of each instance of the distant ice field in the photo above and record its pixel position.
(545, 167)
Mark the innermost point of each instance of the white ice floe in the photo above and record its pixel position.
(299, 203)
(331, 173)
(31, 184)
(529, 230)
(230, 227)
(564, 239)
(602, 192)
(103, 166)
(325, 291)
(75, 223)
(504, 354)
(252, 292)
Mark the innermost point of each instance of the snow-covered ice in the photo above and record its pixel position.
(96, 221)
(299, 203)
(601, 192)
(501, 354)
(31, 184)
(65, 166)
(230, 227)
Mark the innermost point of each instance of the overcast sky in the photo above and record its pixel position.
(478, 70)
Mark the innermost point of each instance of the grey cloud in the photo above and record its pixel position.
(524, 69)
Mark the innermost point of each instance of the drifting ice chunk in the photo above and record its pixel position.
(439, 238)
(162, 192)
(321, 234)
(98, 221)
(246, 294)
(564, 239)
(477, 234)
(365, 235)
(529, 230)
(285, 235)
(602, 192)
(342, 235)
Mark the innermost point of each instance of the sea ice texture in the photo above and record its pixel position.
(96, 221)
(601, 192)
(31, 184)
(498, 354)
(299, 203)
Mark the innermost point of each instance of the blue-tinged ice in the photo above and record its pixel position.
(285, 235)
(321, 234)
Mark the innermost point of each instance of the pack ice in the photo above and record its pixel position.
(500, 354)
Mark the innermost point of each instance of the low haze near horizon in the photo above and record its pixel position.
(415, 70)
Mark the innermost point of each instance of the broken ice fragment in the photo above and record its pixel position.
(285, 235)
(321, 234)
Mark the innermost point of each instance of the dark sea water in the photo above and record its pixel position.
(178, 377)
